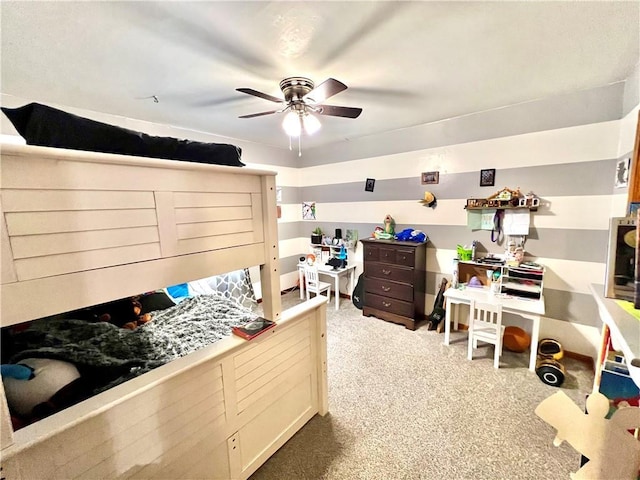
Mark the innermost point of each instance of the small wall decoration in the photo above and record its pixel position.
(622, 173)
(370, 184)
(429, 200)
(430, 177)
(488, 177)
(308, 210)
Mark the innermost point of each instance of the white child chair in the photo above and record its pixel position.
(485, 325)
(313, 285)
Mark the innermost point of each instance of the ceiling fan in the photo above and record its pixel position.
(302, 99)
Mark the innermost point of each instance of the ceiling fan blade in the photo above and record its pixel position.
(326, 89)
(334, 110)
(251, 91)
(258, 114)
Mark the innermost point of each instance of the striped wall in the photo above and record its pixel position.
(564, 149)
(571, 167)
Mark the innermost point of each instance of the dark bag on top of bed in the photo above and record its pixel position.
(49, 127)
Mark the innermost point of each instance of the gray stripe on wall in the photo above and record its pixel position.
(570, 244)
(571, 307)
(288, 230)
(559, 304)
(289, 264)
(597, 105)
(596, 178)
(290, 194)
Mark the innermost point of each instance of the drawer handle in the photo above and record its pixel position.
(386, 304)
(386, 272)
(385, 289)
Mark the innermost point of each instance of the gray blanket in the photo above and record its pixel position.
(111, 355)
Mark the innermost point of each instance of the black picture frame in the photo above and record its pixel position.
(488, 177)
(370, 185)
(430, 178)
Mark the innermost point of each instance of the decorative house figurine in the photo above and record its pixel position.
(529, 200)
(505, 198)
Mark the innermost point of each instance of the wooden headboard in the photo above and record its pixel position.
(82, 228)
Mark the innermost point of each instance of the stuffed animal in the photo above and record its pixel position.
(38, 387)
(411, 235)
(388, 231)
(389, 225)
(125, 313)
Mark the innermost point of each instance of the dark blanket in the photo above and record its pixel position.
(111, 355)
(49, 127)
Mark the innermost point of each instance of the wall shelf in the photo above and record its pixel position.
(530, 208)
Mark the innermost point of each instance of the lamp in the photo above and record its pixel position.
(292, 124)
(311, 124)
(296, 120)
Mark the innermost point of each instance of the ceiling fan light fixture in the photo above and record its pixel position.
(291, 124)
(311, 124)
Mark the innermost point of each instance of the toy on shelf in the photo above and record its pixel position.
(411, 235)
(505, 198)
(387, 232)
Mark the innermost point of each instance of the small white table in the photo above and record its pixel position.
(529, 309)
(329, 271)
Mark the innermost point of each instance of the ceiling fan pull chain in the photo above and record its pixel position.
(299, 150)
(290, 147)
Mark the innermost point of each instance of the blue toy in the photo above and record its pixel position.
(411, 235)
(19, 372)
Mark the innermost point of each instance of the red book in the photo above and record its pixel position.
(254, 328)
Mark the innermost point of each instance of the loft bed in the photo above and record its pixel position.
(83, 228)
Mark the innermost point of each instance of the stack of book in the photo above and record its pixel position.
(254, 328)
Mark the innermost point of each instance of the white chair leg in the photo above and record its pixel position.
(470, 349)
(496, 357)
(328, 295)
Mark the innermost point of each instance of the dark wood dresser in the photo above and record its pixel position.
(395, 281)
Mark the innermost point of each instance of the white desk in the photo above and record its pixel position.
(529, 309)
(624, 330)
(329, 271)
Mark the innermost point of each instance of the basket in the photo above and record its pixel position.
(464, 253)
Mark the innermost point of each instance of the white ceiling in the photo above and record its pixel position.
(406, 63)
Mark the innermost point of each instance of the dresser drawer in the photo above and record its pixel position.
(388, 304)
(400, 291)
(387, 254)
(405, 256)
(387, 271)
(371, 253)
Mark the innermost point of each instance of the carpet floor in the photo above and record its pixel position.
(404, 406)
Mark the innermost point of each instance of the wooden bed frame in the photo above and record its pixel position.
(82, 228)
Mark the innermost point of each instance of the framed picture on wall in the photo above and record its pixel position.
(369, 185)
(622, 173)
(488, 177)
(430, 177)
